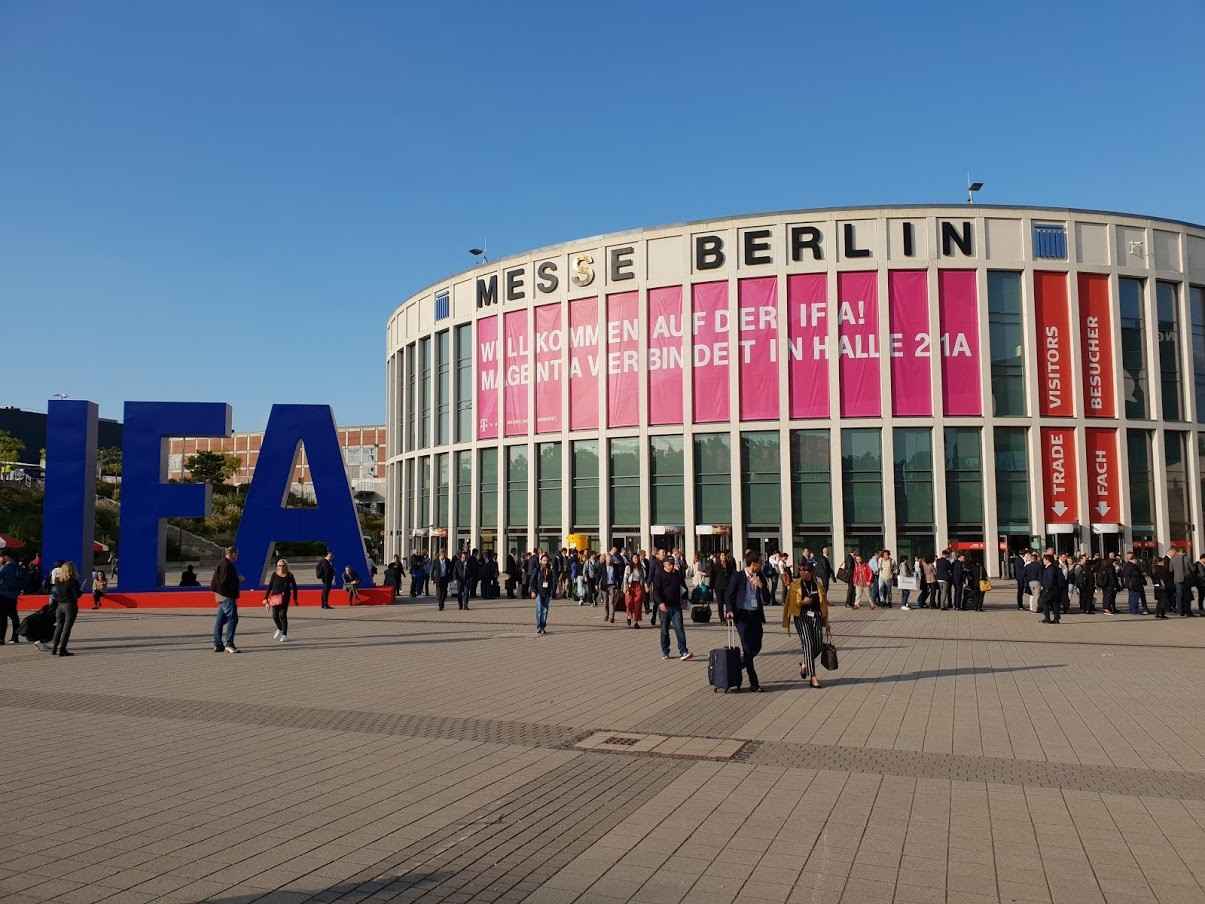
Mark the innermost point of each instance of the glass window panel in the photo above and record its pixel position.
(464, 383)
(761, 491)
(1012, 480)
(964, 478)
(1133, 346)
(1196, 305)
(1179, 514)
(411, 411)
(442, 486)
(548, 487)
(1006, 337)
(487, 489)
(811, 480)
(713, 478)
(410, 496)
(625, 482)
(667, 481)
(516, 486)
(1170, 385)
(862, 479)
(913, 476)
(443, 369)
(424, 393)
(464, 489)
(1142, 482)
(585, 484)
(424, 492)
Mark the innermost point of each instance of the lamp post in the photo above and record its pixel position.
(972, 187)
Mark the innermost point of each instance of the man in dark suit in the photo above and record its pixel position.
(1018, 568)
(745, 605)
(466, 574)
(824, 568)
(1051, 580)
(326, 574)
(441, 571)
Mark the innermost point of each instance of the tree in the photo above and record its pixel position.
(109, 460)
(10, 447)
(211, 467)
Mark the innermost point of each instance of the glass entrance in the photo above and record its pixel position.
(1103, 544)
(708, 544)
(627, 543)
(1061, 543)
(764, 544)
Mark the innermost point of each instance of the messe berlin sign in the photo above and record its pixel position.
(147, 499)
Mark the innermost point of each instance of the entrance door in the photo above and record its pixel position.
(1061, 543)
(627, 543)
(668, 542)
(1103, 544)
(708, 544)
(764, 544)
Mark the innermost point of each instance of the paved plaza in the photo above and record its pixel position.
(405, 754)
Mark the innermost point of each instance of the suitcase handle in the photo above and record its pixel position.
(734, 639)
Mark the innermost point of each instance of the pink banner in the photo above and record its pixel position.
(910, 348)
(758, 324)
(712, 348)
(550, 362)
(516, 373)
(858, 313)
(807, 346)
(623, 353)
(665, 356)
(959, 313)
(584, 364)
(488, 377)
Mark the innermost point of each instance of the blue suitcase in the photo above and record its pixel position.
(724, 665)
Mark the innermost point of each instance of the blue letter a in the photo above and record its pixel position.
(267, 520)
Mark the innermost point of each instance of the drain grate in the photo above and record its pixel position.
(620, 741)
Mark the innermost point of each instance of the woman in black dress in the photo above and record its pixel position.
(280, 592)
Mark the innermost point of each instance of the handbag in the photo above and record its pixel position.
(828, 653)
(985, 585)
(843, 574)
(276, 599)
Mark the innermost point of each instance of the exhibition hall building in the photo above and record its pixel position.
(982, 378)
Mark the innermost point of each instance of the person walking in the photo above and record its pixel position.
(908, 577)
(466, 574)
(64, 595)
(929, 597)
(1048, 599)
(441, 571)
(862, 578)
(11, 586)
(805, 606)
(632, 586)
(668, 588)
(326, 575)
(225, 587)
(543, 586)
(745, 606)
(824, 568)
(873, 587)
(1134, 581)
(280, 593)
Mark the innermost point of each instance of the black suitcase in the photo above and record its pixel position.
(700, 615)
(724, 665)
(38, 625)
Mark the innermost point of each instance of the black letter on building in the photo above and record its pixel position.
(909, 251)
(487, 290)
(709, 252)
(851, 246)
(514, 285)
(757, 247)
(806, 237)
(546, 277)
(950, 237)
(622, 263)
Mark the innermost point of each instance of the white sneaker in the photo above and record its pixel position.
(276, 634)
(905, 608)
(665, 657)
(284, 638)
(231, 648)
(687, 656)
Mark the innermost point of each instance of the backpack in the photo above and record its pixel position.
(1102, 576)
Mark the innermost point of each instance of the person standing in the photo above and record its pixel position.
(886, 578)
(745, 605)
(1163, 584)
(668, 588)
(11, 581)
(824, 569)
(100, 583)
(1106, 580)
(1019, 564)
(465, 576)
(441, 570)
(909, 572)
(1085, 579)
(326, 574)
(64, 594)
(930, 595)
(873, 587)
(512, 571)
(225, 587)
(1181, 582)
(944, 569)
(278, 596)
(616, 598)
(806, 606)
(632, 586)
(862, 578)
(543, 586)
(1048, 599)
(1033, 576)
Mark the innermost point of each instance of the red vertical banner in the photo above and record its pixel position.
(516, 373)
(911, 343)
(1104, 501)
(550, 363)
(488, 377)
(710, 352)
(807, 344)
(665, 356)
(584, 364)
(858, 335)
(1054, 344)
(1059, 483)
(623, 352)
(958, 312)
(758, 330)
(1096, 345)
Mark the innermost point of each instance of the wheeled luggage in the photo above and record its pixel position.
(38, 626)
(724, 665)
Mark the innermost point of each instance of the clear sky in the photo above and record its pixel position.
(225, 201)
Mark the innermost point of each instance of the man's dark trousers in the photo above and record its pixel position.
(462, 595)
(750, 629)
(326, 595)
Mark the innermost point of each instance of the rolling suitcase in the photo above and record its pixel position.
(724, 665)
(38, 626)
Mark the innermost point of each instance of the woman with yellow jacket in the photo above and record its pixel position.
(806, 606)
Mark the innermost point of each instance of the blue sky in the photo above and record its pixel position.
(224, 202)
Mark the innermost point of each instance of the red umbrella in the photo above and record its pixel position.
(7, 542)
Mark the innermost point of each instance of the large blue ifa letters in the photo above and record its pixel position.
(147, 499)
